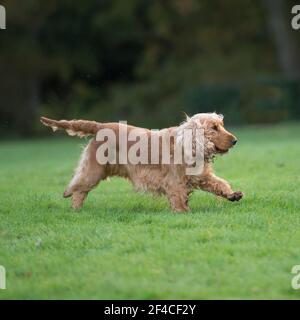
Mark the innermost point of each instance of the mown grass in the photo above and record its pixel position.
(128, 245)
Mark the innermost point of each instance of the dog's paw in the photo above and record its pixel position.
(67, 194)
(236, 196)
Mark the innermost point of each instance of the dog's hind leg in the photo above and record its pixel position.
(78, 199)
(87, 176)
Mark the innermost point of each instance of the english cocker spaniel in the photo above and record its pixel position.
(151, 173)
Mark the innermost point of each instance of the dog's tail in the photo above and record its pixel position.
(79, 128)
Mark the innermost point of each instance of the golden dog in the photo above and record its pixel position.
(168, 179)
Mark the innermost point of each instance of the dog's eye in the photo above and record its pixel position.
(215, 128)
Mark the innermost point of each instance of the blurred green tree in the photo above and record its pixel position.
(142, 60)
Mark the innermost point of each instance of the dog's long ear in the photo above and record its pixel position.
(184, 126)
(220, 116)
(189, 139)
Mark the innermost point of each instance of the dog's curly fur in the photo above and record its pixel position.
(170, 180)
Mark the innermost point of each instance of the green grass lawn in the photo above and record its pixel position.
(128, 245)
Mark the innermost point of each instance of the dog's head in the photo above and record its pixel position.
(217, 140)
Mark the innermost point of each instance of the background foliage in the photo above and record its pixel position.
(146, 61)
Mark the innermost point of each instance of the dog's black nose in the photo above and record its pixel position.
(234, 142)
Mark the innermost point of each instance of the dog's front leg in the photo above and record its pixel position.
(178, 199)
(220, 187)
